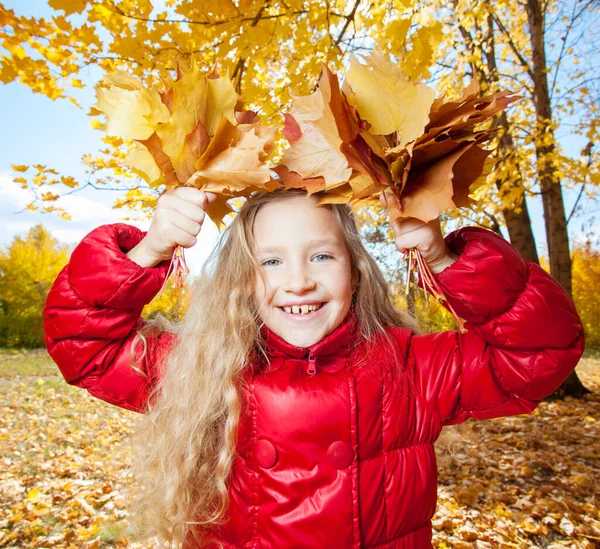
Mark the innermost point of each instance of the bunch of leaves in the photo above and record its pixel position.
(189, 131)
(380, 132)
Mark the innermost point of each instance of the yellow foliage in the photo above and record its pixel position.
(28, 268)
(171, 302)
(586, 291)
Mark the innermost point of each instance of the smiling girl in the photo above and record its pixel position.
(294, 407)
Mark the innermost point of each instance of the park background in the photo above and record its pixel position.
(516, 482)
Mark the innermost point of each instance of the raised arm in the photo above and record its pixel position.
(524, 335)
(92, 314)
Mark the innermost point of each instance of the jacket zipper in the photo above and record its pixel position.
(312, 365)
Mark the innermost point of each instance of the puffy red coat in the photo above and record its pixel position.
(335, 443)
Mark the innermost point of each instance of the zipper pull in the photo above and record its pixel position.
(312, 365)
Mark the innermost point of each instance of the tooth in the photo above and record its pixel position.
(287, 309)
(304, 308)
(295, 309)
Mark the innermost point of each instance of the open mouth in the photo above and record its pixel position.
(303, 310)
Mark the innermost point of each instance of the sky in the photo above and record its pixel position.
(37, 130)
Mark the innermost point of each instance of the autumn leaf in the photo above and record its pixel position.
(142, 162)
(236, 167)
(430, 192)
(316, 151)
(428, 159)
(130, 113)
(190, 131)
(68, 6)
(386, 99)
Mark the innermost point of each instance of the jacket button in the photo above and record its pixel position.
(340, 455)
(265, 453)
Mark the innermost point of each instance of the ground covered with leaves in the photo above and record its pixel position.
(529, 481)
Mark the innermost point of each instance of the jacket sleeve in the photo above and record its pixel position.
(92, 314)
(524, 335)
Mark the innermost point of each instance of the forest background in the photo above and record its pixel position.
(63, 483)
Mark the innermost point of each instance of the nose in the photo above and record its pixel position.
(299, 281)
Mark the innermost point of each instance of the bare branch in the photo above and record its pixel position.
(513, 46)
(349, 19)
(588, 150)
(239, 18)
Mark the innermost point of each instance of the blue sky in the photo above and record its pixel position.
(37, 130)
(57, 134)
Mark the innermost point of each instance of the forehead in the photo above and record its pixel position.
(295, 221)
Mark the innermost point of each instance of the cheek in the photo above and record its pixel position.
(262, 291)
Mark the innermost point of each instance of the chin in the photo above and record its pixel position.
(302, 340)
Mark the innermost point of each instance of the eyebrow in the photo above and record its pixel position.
(325, 242)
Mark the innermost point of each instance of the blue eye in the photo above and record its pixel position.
(270, 263)
(322, 257)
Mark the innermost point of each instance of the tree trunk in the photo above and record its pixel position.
(552, 199)
(518, 223)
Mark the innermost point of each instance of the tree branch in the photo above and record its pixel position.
(349, 19)
(588, 151)
(513, 47)
(240, 18)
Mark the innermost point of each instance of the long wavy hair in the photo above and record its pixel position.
(186, 443)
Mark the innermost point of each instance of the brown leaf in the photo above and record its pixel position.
(154, 146)
(194, 146)
(430, 192)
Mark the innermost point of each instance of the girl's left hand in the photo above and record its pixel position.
(425, 237)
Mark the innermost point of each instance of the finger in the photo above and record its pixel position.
(185, 223)
(180, 237)
(406, 225)
(211, 196)
(189, 210)
(191, 194)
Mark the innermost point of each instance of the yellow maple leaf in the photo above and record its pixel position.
(143, 163)
(220, 102)
(317, 152)
(68, 6)
(19, 168)
(130, 113)
(196, 99)
(386, 99)
(236, 167)
(33, 495)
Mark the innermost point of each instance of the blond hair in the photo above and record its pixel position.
(186, 444)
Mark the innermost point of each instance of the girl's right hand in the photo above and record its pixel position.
(177, 221)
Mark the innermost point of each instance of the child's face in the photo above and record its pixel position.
(306, 266)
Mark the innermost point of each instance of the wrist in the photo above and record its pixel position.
(438, 265)
(142, 256)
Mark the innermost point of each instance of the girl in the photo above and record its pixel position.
(294, 407)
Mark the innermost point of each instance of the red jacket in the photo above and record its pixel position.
(342, 458)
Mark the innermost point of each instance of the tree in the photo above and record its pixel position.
(506, 46)
(586, 281)
(27, 270)
(277, 47)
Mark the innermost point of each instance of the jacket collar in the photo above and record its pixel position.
(340, 342)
